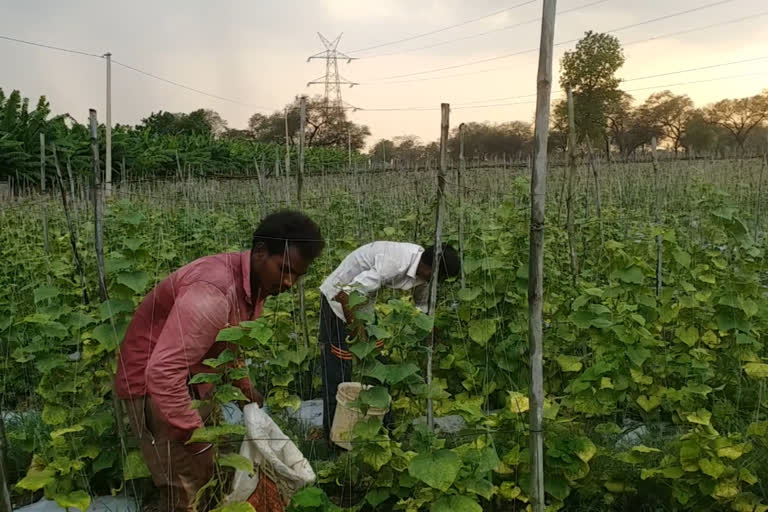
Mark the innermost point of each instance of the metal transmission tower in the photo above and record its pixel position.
(332, 80)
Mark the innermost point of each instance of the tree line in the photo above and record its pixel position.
(608, 117)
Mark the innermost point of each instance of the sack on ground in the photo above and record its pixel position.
(273, 454)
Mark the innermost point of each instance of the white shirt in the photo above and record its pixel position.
(378, 265)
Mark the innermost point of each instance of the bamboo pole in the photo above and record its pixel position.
(98, 207)
(536, 265)
(596, 176)
(43, 208)
(569, 206)
(759, 198)
(299, 184)
(656, 216)
(460, 195)
(445, 110)
(72, 237)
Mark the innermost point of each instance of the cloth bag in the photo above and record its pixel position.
(277, 462)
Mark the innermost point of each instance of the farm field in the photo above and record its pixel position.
(654, 391)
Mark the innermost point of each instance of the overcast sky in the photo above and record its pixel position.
(256, 52)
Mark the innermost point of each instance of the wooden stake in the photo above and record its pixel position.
(445, 110)
(656, 216)
(596, 176)
(536, 265)
(72, 236)
(98, 207)
(299, 183)
(302, 125)
(5, 496)
(43, 208)
(460, 196)
(569, 224)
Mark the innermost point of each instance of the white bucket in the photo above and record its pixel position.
(346, 416)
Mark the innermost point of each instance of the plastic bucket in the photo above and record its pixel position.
(347, 416)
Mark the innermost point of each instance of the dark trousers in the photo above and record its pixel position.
(336, 362)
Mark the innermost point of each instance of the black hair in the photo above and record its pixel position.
(451, 263)
(292, 228)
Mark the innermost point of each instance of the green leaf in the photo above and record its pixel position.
(688, 335)
(638, 355)
(241, 506)
(641, 448)
(376, 396)
(438, 469)
(227, 356)
(230, 334)
(377, 496)
(378, 332)
(585, 450)
(46, 292)
(455, 503)
(424, 322)
(756, 370)
(215, 434)
(112, 307)
(134, 466)
(569, 363)
(367, 428)
(237, 461)
(76, 499)
(54, 414)
(36, 479)
(712, 467)
(109, 336)
(482, 330)
(229, 393)
(468, 294)
(700, 417)
(396, 373)
(356, 299)
(672, 472)
(376, 454)
(747, 477)
(310, 497)
(648, 403)
(633, 275)
(205, 378)
(682, 258)
(726, 489)
(362, 348)
(518, 402)
(260, 331)
(481, 487)
(557, 487)
(136, 281)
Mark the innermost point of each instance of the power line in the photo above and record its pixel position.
(51, 47)
(660, 87)
(750, 17)
(531, 50)
(443, 29)
(187, 87)
(487, 32)
(634, 79)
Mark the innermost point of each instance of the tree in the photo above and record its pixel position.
(325, 126)
(671, 113)
(700, 136)
(590, 70)
(198, 122)
(487, 140)
(739, 116)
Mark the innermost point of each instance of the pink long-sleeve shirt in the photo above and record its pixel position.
(175, 327)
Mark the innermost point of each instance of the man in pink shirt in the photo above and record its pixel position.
(174, 329)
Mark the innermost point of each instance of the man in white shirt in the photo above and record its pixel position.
(368, 269)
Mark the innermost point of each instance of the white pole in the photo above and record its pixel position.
(108, 160)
